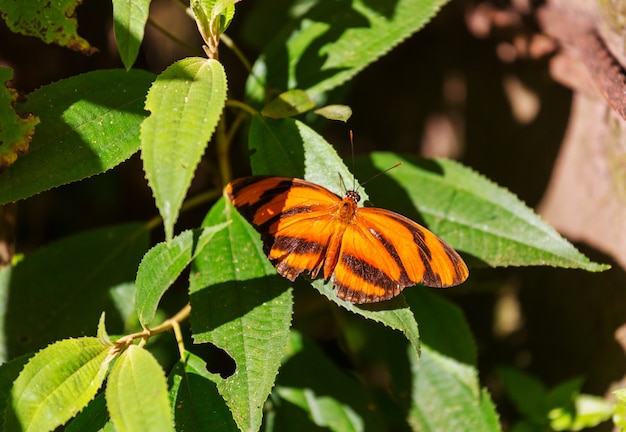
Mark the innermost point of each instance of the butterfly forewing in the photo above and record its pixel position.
(293, 216)
(371, 253)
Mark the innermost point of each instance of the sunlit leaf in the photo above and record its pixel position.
(470, 212)
(57, 383)
(239, 304)
(136, 393)
(162, 265)
(185, 102)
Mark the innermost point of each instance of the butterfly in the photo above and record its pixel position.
(370, 253)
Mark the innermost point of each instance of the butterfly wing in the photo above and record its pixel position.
(372, 253)
(383, 252)
(294, 217)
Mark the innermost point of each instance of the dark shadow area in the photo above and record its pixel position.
(197, 400)
(46, 305)
(218, 361)
(323, 379)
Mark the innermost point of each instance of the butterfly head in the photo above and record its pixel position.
(353, 195)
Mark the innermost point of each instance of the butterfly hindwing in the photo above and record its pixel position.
(400, 253)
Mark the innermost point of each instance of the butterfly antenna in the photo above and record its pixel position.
(352, 149)
(341, 184)
(380, 173)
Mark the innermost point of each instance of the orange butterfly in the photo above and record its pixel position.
(371, 253)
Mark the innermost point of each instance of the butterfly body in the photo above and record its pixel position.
(371, 254)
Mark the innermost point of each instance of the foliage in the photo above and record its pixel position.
(91, 123)
(561, 408)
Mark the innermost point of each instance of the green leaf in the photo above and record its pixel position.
(89, 124)
(290, 148)
(333, 41)
(17, 130)
(212, 18)
(129, 21)
(94, 418)
(57, 383)
(446, 396)
(262, 22)
(442, 325)
(570, 410)
(185, 102)
(330, 398)
(136, 393)
(288, 104)
(9, 371)
(52, 22)
(470, 212)
(162, 265)
(564, 395)
(335, 112)
(591, 411)
(525, 426)
(379, 351)
(195, 400)
(394, 313)
(241, 305)
(527, 393)
(78, 273)
(102, 334)
(619, 415)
